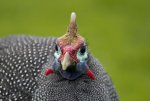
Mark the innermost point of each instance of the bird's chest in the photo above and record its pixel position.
(56, 88)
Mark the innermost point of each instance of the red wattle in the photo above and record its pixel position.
(48, 71)
(90, 74)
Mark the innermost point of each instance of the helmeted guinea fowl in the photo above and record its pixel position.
(52, 69)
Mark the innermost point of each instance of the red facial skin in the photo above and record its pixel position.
(71, 49)
(72, 52)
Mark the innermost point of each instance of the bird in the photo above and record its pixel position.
(61, 68)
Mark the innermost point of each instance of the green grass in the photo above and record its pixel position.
(118, 33)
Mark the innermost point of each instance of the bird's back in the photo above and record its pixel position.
(21, 60)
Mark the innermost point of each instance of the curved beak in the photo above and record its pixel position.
(66, 62)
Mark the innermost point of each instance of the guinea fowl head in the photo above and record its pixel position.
(71, 54)
(72, 46)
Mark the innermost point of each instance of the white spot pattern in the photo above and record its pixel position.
(21, 61)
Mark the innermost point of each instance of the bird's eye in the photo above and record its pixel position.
(57, 52)
(82, 54)
(82, 50)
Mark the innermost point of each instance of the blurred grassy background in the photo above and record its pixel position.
(118, 33)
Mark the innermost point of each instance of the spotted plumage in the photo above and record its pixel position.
(21, 60)
(56, 88)
(52, 69)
